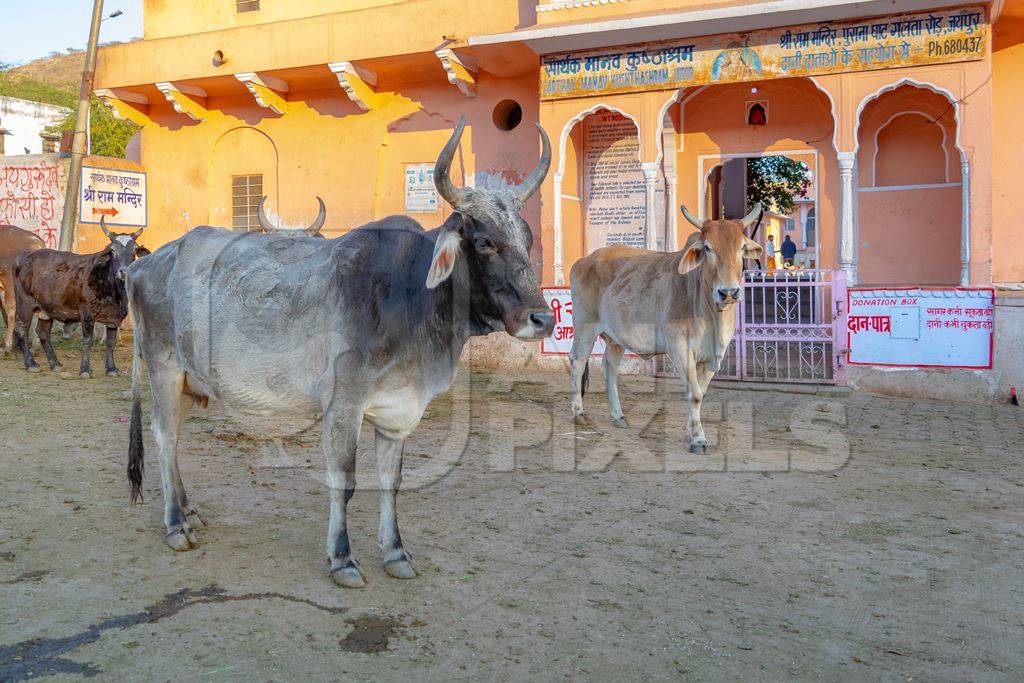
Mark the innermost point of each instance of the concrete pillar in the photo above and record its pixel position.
(672, 222)
(965, 221)
(650, 169)
(847, 233)
(557, 256)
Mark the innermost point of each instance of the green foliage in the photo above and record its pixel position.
(109, 134)
(776, 181)
(36, 91)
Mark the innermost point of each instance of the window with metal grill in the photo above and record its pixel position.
(247, 5)
(246, 192)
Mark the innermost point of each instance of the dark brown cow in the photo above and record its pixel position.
(85, 288)
(13, 241)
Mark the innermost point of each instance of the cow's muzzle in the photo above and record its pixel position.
(531, 323)
(726, 296)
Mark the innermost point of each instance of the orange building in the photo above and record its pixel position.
(904, 114)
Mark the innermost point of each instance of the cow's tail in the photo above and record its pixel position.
(585, 383)
(136, 449)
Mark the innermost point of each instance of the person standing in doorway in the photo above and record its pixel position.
(788, 251)
(769, 251)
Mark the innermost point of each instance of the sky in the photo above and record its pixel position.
(30, 29)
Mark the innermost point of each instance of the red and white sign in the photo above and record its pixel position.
(560, 341)
(921, 327)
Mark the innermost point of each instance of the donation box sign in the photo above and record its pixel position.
(921, 327)
(118, 195)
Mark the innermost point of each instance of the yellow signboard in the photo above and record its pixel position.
(905, 40)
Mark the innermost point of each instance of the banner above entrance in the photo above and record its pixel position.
(905, 40)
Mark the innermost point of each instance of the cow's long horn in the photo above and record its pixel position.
(138, 233)
(262, 217)
(749, 219)
(533, 181)
(103, 227)
(321, 216)
(694, 221)
(455, 196)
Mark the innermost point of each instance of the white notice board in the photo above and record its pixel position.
(921, 327)
(117, 194)
(420, 193)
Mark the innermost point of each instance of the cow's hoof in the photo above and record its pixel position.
(181, 540)
(34, 368)
(57, 368)
(194, 518)
(113, 373)
(580, 421)
(400, 567)
(348, 576)
(85, 375)
(699, 446)
(620, 422)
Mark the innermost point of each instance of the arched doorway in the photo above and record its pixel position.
(714, 141)
(243, 168)
(909, 190)
(603, 190)
(785, 326)
(732, 185)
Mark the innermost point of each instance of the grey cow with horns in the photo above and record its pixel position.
(366, 326)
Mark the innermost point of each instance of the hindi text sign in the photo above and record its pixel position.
(921, 327)
(560, 341)
(116, 194)
(935, 37)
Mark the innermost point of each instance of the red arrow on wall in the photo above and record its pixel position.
(104, 212)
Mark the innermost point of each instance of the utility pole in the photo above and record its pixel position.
(70, 218)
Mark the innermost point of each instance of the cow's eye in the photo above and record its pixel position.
(483, 245)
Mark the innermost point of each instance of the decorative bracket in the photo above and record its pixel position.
(461, 70)
(126, 105)
(186, 99)
(358, 83)
(266, 90)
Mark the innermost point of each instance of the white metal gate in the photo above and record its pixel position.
(790, 328)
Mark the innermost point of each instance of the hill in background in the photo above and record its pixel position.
(55, 80)
(62, 71)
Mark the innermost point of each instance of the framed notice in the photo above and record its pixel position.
(921, 327)
(118, 195)
(614, 194)
(420, 193)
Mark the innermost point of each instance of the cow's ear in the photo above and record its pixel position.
(142, 251)
(446, 250)
(751, 249)
(693, 254)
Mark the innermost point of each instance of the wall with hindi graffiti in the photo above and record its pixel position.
(32, 194)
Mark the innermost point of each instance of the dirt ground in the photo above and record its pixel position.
(836, 536)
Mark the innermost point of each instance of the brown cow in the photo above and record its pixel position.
(13, 241)
(85, 288)
(652, 302)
